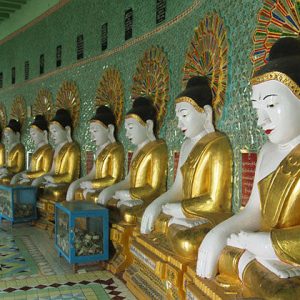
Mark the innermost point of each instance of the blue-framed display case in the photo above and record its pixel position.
(18, 203)
(81, 232)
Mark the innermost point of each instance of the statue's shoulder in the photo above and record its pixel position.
(159, 145)
(214, 139)
(116, 146)
(73, 146)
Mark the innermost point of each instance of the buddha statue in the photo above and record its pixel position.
(108, 167)
(145, 181)
(175, 223)
(65, 166)
(41, 159)
(15, 152)
(258, 248)
(2, 153)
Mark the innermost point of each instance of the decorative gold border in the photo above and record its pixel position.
(8, 128)
(99, 122)
(281, 77)
(190, 101)
(137, 118)
(36, 127)
(57, 123)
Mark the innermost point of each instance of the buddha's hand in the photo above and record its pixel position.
(174, 210)
(130, 203)
(24, 180)
(209, 253)
(3, 172)
(48, 179)
(105, 195)
(258, 243)
(150, 215)
(87, 191)
(122, 195)
(86, 185)
(24, 176)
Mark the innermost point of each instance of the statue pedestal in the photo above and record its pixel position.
(18, 203)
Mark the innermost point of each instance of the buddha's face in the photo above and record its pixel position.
(10, 136)
(58, 133)
(38, 136)
(99, 133)
(135, 131)
(190, 121)
(278, 111)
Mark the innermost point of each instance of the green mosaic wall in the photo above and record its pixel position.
(238, 119)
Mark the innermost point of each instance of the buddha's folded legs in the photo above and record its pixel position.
(5, 180)
(56, 194)
(257, 280)
(186, 241)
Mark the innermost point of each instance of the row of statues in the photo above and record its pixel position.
(257, 248)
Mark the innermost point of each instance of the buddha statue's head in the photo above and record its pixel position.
(141, 121)
(39, 130)
(12, 132)
(103, 126)
(194, 107)
(276, 92)
(61, 127)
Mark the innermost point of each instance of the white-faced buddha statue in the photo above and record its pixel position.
(108, 166)
(15, 152)
(42, 156)
(259, 246)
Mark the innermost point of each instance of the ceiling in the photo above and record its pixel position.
(8, 7)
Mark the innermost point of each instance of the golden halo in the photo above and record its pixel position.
(152, 79)
(43, 104)
(68, 98)
(3, 118)
(110, 92)
(18, 110)
(208, 56)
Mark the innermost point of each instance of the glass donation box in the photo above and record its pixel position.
(81, 231)
(18, 203)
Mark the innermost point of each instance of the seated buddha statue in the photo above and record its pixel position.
(108, 167)
(200, 196)
(15, 152)
(65, 166)
(42, 156)
(258, 247)
(146, 178)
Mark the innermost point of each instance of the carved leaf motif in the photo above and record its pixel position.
(18, 110)
(208, 56)
(110, 92)
(43, 104)
(68, 98)
(152, 79)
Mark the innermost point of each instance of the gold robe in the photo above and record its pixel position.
(67, 168)
(2, 155)
(109, 166)
(280, 211)
(15, 162)
(207, 191)
(41, 162)
(148, 178)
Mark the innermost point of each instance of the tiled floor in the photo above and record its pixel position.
(30, 268)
